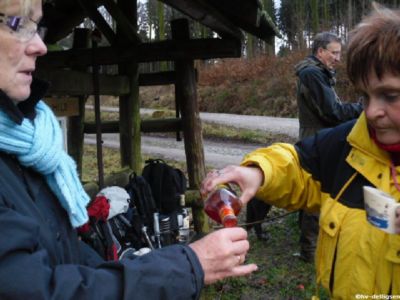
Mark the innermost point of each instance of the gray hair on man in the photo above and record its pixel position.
(322, 39)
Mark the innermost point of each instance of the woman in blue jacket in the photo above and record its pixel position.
(42, 201)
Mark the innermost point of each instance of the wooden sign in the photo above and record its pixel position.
(64, 107)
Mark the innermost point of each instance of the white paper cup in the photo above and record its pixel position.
(380, 208)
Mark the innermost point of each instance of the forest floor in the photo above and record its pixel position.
(281, 274)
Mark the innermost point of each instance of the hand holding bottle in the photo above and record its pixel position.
(249, 180)
(222, 205)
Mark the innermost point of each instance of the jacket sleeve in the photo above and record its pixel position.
(324, 101)
(26, 272)
(286, 184)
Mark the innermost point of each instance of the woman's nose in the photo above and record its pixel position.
(374, 108)
(36, 46)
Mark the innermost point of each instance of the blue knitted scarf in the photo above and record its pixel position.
(38, 144)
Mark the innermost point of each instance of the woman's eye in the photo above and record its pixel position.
(391, 97)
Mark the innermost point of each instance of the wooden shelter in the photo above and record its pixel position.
(75, 72)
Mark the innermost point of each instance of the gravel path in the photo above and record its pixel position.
(288, 126)
(217, 154)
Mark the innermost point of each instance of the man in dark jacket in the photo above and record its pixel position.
(319, 107)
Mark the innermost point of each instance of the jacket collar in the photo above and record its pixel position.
(312, 60)
(323, 66)
(24, 109)
(359, 138)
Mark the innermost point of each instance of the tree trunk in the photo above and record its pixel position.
(314, 17)
(250, 46)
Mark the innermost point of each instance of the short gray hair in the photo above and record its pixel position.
(322, 39)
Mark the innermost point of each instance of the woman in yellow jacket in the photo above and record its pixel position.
(327, 172)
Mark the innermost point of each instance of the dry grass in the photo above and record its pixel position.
(264, 85)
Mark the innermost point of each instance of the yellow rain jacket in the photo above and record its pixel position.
(326, 173)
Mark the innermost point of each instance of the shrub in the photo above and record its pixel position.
(265, 85)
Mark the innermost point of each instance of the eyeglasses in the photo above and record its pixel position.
(334, 53)
(23, 28)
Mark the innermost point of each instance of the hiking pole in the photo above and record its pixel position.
(157, 229)
(146, 236)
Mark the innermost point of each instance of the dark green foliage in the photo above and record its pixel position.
(300, 20)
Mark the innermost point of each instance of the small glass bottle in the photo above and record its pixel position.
(222, 205)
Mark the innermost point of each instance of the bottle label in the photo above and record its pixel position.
(228, 218)
(225, 212)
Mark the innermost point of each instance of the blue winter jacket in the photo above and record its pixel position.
(41, 256)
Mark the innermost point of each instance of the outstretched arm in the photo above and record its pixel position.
(273, 174)
(28, 270)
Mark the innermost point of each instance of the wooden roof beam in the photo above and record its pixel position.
(77, 83)
(235, 8)
(126, 26)
(91, 10)
(202, 12)
(267, 29)
(256, 21)
(60, 22)
(62, 18)
(160, 51)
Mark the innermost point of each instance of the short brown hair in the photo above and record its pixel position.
(374, 45)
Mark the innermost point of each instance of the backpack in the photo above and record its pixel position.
(157, 196)
(114, 226)
(168, 185)
(142, 198)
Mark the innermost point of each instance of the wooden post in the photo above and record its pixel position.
(129, 106)
(186, 95)
(75, 132)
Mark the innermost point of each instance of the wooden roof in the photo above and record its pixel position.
(226, 17)
(229, 17)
